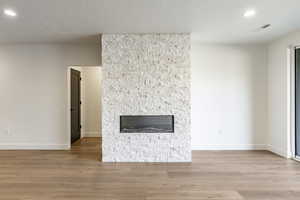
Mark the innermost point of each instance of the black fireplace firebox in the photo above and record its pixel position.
(147, 124)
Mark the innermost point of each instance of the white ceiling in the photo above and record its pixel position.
(209, 20)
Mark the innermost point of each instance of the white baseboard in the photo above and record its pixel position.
(34, 146)
(221, 147)
(25, 146)
(92, 134)
(278, 151)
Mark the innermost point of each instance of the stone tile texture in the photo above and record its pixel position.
(146, 74)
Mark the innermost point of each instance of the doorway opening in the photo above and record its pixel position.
(84, 110)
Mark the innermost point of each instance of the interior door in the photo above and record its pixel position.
(75, 105)
(297, 100)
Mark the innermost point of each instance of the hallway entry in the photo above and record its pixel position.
(85, 102)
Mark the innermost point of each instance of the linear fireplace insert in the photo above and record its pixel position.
(147, 124)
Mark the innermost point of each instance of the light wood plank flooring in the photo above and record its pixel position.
(214, 175)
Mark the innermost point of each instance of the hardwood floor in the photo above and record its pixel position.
(214, 175)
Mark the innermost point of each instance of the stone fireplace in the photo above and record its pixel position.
(146, 98)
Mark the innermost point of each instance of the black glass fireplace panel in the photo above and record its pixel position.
(147, 124)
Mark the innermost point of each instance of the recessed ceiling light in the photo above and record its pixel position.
(249, 13)
(10, 12)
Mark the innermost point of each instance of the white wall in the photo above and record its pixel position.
(229, 94)
(91, 100)
(229, 97)
(279, 93)
(33, 85)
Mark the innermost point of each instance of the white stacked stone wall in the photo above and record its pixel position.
(146, 74)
